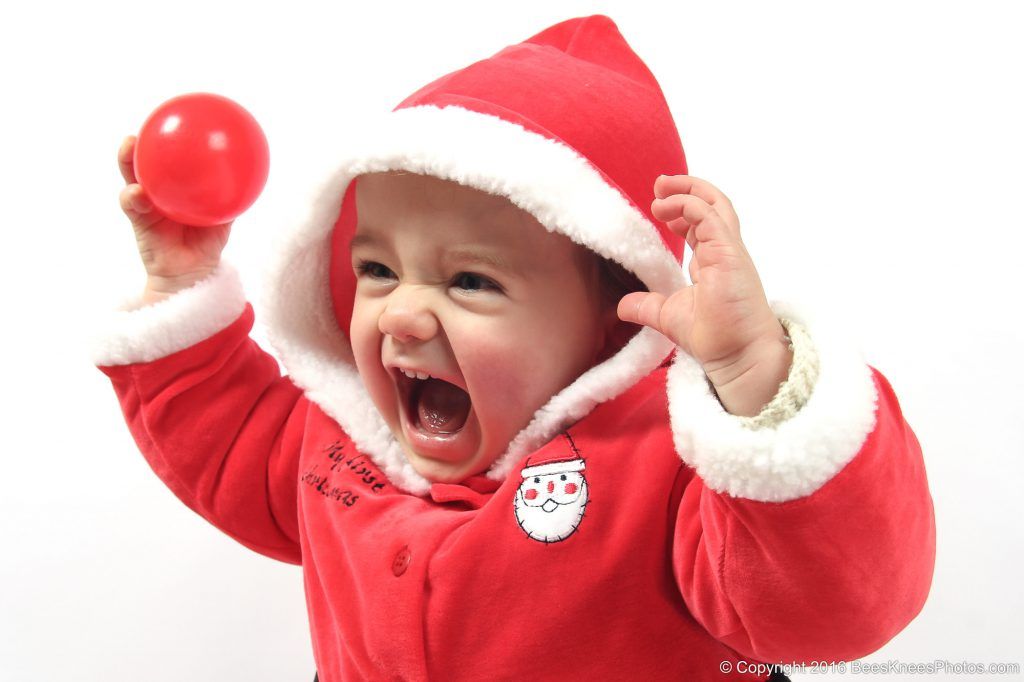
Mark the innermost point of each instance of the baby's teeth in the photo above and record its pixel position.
(422, 375)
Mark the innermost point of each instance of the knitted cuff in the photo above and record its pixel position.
(796, 390)
(798, 455)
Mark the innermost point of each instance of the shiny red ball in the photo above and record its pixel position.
(202, 159)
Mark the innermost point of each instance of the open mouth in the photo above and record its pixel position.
(433, 406)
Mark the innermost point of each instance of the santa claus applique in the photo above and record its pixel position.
(552, 497)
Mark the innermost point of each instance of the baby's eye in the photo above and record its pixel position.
(374, 270)
(471, 282)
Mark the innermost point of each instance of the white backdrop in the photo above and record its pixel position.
(872, 151)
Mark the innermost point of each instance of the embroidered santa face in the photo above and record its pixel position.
(551, 499)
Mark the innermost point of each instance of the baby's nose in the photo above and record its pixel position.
(406, 320)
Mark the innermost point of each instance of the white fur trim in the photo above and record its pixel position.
(798, 456)
(141, 333)
(546, 178)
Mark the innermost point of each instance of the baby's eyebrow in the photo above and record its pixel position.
(460, 256)
(463, 256)
(361, 240)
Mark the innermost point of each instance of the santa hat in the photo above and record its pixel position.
(569, 125)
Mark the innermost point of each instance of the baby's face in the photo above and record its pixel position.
(468, 288)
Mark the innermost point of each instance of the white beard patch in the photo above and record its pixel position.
(551, 500)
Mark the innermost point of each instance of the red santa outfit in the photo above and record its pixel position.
(634, 529)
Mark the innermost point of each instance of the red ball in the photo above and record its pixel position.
(202, 159)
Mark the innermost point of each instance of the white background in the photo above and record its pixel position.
(873, 152)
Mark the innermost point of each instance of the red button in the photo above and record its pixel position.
(401, 561)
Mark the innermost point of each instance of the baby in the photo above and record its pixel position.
(484, 431)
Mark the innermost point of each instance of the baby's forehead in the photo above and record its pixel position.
(458, 219)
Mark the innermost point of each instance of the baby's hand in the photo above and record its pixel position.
(723, 320)
(175, 255)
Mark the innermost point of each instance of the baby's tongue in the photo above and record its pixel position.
(443, 407)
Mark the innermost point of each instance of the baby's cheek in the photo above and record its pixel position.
(512, 371)
(500, 381)
(366, 338)
(496, 364)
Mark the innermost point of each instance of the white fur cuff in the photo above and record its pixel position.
(142, 333)
(800, 454)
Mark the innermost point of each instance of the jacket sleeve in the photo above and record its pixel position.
(806, 539)
(210, 410)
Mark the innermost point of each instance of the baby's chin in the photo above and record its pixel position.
(442, 471)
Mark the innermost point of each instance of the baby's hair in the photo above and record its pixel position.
(616, 281)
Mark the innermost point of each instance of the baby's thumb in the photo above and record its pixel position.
(641, 307)
(668, 317)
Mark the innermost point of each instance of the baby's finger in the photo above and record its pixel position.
(137, 206)
(681, 227)
(706, 224)
(125, 160)
(667, 185)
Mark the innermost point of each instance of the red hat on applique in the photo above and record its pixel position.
(569, 125)
(552, 464)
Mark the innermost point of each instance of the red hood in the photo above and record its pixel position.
(569, 125)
